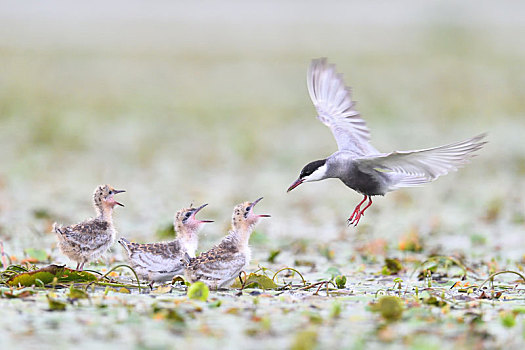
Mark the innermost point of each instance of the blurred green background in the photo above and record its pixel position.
(181, 102)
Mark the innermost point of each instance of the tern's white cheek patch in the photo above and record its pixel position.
(317, 175)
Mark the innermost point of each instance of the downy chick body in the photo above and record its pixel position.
(88, 240)
(219, 266)
(161, 261)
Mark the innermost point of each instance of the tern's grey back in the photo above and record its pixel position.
(342, 165)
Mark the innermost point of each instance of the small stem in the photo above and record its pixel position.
(113, 269)
(316, 284)
(439, 257)
(491, 277)
(290, 269)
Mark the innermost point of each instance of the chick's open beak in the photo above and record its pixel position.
(199, 209)
(117, 192)
(259, 215)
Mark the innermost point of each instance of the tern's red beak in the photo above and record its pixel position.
(295, 184)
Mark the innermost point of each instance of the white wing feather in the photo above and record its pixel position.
(422, 166)
(335, 108)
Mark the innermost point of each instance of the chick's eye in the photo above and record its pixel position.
(111, 192)
(188, 214)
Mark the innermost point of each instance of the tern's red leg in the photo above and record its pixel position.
(81, 267)
(356, 211)
(78, 264)
(368, 205)
(362, 212)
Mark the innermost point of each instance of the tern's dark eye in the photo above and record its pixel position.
(110, 191)
(188, 214)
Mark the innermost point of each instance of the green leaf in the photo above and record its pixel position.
(215, 304)
(336, 309)
(304, 340)
(273, 255)
(432, 300)
(75, 293)
(391, 267)
(55, 304)
(48, 273)
(255, 281)
(38, 254)
(198, 291)
(340, 281)
(508, 319)
(173, 316)
(390, 308)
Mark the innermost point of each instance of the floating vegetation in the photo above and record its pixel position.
(392, 267)
(390, 307)
(198, 291)
(50, 274)
(340, 281)
(308, 302)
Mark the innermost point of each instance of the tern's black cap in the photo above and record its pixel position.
(311, 167)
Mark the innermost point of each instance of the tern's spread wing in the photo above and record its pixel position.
(414, 168)
(335, 108)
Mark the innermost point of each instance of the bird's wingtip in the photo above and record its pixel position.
(481, 136)
(318, 64)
